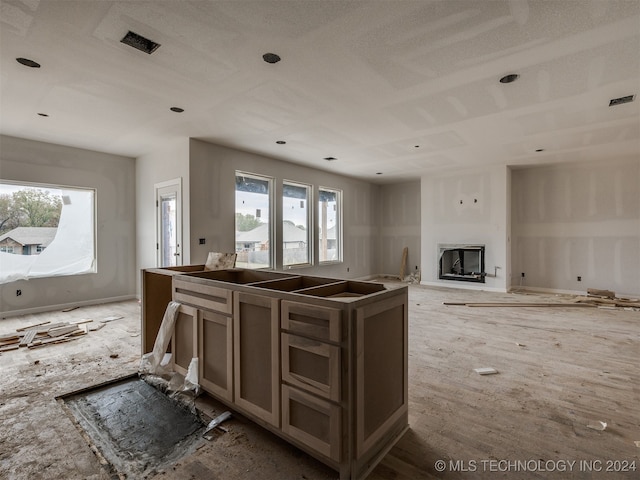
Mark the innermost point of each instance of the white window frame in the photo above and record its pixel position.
(271, 235)
(339, 230)
(310, 224)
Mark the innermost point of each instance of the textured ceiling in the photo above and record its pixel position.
(400, 87)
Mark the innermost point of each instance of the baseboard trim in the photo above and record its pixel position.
(63, 306)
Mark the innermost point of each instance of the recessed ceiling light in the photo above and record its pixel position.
(540, 150)
(512, 77)
(621, 100)
(416, 146)
(139, 42)
(28, 63)
(330, 159)
(43, 114)
(177, 109)
(378, 173)
(280, 142)
(271, 58)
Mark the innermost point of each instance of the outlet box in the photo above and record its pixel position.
(522, 274)
(201, 241)
(579, 278)
(18, 293)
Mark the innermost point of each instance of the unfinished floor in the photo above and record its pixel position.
(559, 370)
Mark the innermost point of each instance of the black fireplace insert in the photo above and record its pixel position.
(461, 262)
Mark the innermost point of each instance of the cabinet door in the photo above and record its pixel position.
(256, 355)
(312, 421)
(184, 343)
(311, 365)
(216, 353)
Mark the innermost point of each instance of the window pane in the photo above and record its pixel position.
(330, 236)
(295, 224)
(253, 228)
(45, 231)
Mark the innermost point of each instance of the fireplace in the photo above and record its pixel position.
(461, 262)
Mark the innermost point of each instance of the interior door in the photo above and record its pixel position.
(169, 223)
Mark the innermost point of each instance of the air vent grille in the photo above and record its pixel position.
(139, 42)
(621, 100)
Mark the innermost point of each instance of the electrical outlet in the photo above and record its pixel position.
(579, 278)
(522, 274)
(18, 293)
(201, 241)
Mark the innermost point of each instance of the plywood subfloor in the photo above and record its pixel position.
(559, 370)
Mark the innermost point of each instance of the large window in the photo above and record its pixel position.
(254, 229)
(45, 231)
(329, 223)
(296, 238)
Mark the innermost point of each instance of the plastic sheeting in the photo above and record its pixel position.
(72, 251)
(158, 363)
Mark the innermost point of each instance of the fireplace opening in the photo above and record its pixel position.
(461, 262)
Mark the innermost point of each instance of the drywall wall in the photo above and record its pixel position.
(399, 227)
(466, 207)
(167, 161)
(113, 177)
(577, 220)
(212, 198)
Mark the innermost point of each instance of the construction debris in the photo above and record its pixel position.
(600, 426)
(485, 371)
(216, 423)
(595, 298)
(44, 333)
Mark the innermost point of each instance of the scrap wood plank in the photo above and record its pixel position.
(6, 348)
(56, 332)
(79, 322)
(403, 265)
(28, 337)
(22, 329)
(42, 343)
(44, 329)
(9, 336)
(595, 292)
(518, 304)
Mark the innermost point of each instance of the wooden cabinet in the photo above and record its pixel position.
(257, 355)
(320, 362)
(156, 294)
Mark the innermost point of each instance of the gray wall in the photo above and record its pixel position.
(212, 196)
(166, 162)
(399, 227)
(578, 220)
(113, 177)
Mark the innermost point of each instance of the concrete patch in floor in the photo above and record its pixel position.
(135, 427)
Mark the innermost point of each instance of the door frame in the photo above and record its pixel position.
(177, 183)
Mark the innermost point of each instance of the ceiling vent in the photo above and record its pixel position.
(138, 41)
(621, 100)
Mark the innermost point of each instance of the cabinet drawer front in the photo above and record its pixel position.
(204, 296)
(323, 323)
(311, 365)
(312, 421)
